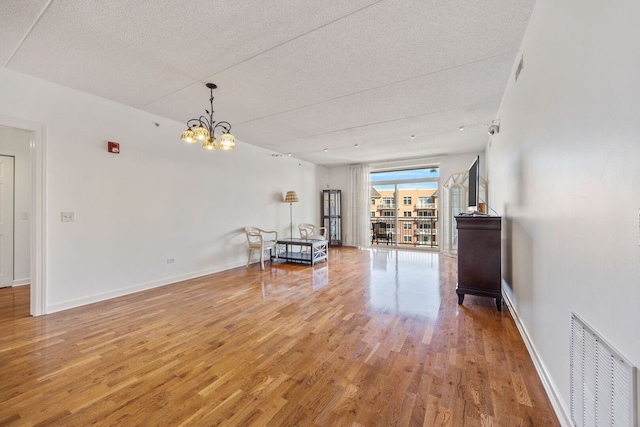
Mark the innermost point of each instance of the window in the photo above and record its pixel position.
(457, 207)
(407, 239)
(424, 226)
(406, 226)
(406, 213)
(387, 213)
(373, 214)
(423, 213)
(388, 201)
(373, 202)
(406, 200)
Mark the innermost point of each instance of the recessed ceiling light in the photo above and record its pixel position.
(461, 128)
(356, 145)
(289, 154)
(412, 137)
(326, 149)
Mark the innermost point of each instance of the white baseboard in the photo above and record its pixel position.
(53, 308)
(549, 386)
(21, 282)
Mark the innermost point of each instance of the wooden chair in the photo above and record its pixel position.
(310, 231)
(257, 242)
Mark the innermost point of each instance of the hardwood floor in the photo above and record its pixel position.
(374, 338)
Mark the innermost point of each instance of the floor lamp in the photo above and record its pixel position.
(291, 198)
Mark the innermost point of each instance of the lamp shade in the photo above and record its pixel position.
(291, 197)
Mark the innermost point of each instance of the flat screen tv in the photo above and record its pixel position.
(474, 185)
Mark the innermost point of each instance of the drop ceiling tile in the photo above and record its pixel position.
(16, 18)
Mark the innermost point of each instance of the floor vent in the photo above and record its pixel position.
(603, 383)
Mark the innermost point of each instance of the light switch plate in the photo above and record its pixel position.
(67, 216)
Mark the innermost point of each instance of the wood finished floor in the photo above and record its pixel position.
(374, 338)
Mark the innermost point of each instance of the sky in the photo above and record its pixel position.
(430, 174)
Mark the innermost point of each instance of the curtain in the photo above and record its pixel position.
(358, 233)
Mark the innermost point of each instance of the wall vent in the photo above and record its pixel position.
(603, 383)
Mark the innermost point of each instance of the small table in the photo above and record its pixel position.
(305, 251)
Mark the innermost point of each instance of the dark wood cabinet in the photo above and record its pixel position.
(479, 270)
(331, 216)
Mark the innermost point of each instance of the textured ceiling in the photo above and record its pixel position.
(313, 78)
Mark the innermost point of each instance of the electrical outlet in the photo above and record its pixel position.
(171, 260)
(67, 217)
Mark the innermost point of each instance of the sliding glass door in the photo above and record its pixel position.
(404, 208)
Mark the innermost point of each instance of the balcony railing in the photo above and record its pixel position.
(434, 216)
(425, 205)
(386, 206)
(422, 231)
(425, 231)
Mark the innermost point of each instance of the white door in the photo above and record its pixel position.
(6, 221)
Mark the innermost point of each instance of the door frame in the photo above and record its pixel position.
(37, 269)
(397, 183)
(13, 219)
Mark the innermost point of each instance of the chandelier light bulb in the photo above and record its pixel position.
(201, 133)
(188, 136)
(210, 143)
(227, 141)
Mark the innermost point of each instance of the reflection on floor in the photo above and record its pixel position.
(405, 282)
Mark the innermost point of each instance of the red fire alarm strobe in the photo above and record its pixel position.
(114, 147)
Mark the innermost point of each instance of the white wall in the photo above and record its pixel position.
(15, 142)
(563, 172)
(157, 199)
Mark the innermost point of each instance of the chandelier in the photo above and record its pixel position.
(202, 129)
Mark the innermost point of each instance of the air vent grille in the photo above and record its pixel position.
(603, 383)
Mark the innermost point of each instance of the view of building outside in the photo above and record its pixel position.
(404, 212)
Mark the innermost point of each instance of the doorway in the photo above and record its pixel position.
(29, 203)
(404, 208)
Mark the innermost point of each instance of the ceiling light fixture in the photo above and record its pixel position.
(461, 128)
(202, 129)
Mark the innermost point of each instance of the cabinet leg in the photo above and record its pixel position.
(460, 298)
(499, 304)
